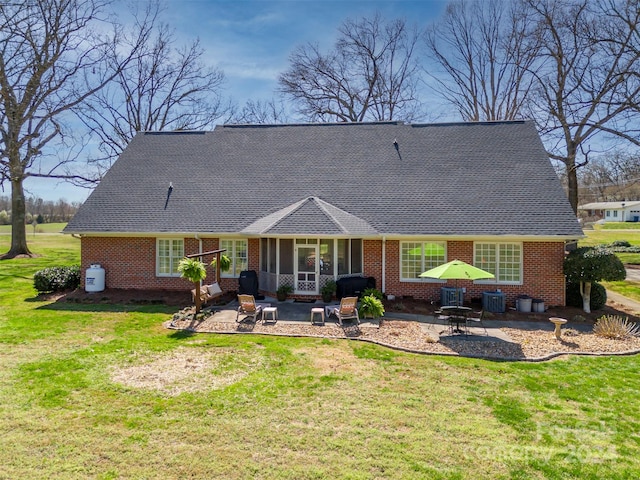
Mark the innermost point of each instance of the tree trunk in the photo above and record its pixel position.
(18, 227)
(572, 186)
(585, 291)
(572, 176)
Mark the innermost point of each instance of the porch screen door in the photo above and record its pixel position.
(307, 269)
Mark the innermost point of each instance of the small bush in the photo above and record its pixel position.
(614, 326)
(598, 296)
(630, 249)
(373, 292)
(56, 279)
(620, 243)
(399, 306)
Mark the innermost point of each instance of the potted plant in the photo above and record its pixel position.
(194, 271)
(371, 307)
(283, 291)
(225, 264)
(328, 290)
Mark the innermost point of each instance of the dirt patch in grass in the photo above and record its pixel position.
(328, 360)
(186, 370)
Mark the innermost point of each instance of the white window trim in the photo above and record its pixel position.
(232, 256)
(495, 281)
(171, 240)
(422, 279)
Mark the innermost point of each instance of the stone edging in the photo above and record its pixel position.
(543, 358)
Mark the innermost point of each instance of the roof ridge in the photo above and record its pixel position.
(323, 124)
(322, 205)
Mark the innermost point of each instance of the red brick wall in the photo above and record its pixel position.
(130, 263)
(542, 267)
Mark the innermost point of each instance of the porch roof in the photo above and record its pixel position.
(310, 216)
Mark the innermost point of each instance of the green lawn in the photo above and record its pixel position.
(104, 391)
(41, 228)
(620, 226)
(610, 235)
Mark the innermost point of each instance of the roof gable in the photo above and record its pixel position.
(313, 216)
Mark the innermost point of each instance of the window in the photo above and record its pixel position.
(418, 257)
(236, 250)
(169, 252)
(349, 256)
(504, 260)
(615, 213)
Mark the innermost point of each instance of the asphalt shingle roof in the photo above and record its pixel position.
(334, 179)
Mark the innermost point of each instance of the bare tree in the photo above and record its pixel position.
(485, 57)
(370, 74)
(51, 60)
(588, 80)
(614, 176)
(261, 112)
(165, 88)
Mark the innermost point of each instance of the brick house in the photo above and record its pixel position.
(301, 204)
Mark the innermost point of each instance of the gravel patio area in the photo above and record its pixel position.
(512, 336)
(505, 340)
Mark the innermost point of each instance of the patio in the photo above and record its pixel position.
(504, 340)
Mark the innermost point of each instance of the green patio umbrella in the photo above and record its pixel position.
(457, 270)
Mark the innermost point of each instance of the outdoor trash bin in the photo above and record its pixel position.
(523, 303)
(537, 305)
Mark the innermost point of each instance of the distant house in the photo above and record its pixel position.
(613, 211)
(302, 204)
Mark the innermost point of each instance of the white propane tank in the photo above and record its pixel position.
(94, 278)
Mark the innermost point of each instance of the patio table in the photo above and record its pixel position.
(456, 315)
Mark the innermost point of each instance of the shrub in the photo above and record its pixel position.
(629, 249)
(373, 292)
(614, 326)
(56, 279)
(620, 243)
(598, 296)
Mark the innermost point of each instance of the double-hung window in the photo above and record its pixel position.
(169, 252)
(236, 250)
(504, 260)
(418, 257)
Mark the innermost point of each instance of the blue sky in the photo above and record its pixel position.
(250, 40)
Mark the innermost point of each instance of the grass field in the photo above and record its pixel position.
(104, 391)
(620, 226)
(609, 235)
(41, 228)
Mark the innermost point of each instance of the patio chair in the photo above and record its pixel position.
(477, 321)
(248, 307)
(348, 309)
(207, 292)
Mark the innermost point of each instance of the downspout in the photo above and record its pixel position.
(384, 263)
(197, 237)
